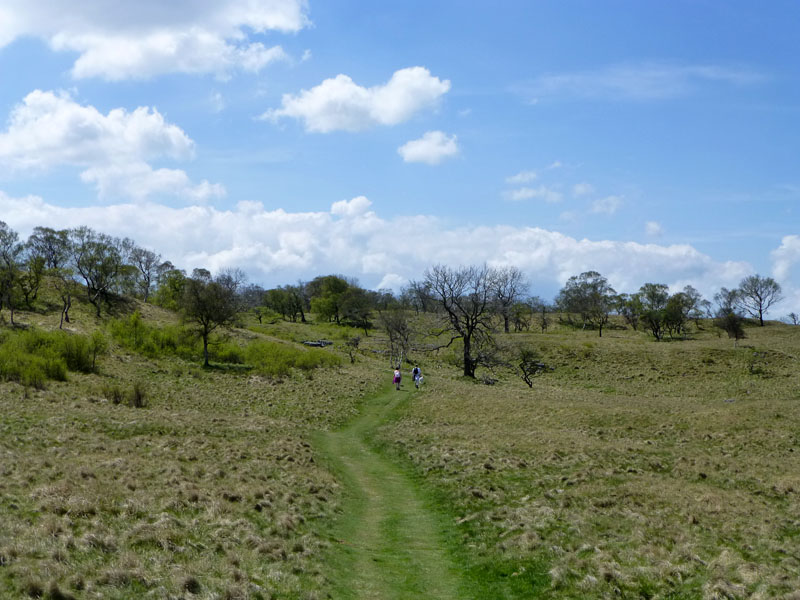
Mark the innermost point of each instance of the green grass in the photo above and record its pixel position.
(633, 469)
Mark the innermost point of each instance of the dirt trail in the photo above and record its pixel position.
(389, 544)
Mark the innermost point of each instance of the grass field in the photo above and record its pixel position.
(634, 469)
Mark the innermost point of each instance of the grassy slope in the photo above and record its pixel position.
(212, 489)
(635, 469)
(645, 469)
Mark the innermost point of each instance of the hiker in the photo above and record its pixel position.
(416, 375)
(397, 378)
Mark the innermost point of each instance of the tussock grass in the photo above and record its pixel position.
(210, 491)
(635, 469)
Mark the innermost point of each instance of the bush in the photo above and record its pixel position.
(278, 360)
(32, 357)
(134, 334)
(138, 395)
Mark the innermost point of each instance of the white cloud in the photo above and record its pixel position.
(522, 177)
(786, 257)
(639, 81)
(48, 130)
(526, 193)
(653, 228)
(276, 247)
(582, 189)
(432, 148)
(151, 37)
(341, 104)
(608, 205)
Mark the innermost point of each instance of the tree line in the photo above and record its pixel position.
(467, 301)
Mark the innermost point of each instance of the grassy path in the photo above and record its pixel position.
(390, 544)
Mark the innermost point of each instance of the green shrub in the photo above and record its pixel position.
(134, 334)
(32, 357)
(278, 360)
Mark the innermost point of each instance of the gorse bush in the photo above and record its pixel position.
(274, 359)
(32, 357)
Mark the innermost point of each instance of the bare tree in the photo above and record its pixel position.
(397, 326)
(466, 296)
(757, 294)
(509, 286)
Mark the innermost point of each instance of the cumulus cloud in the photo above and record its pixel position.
(151, 37)
(608, 205)
(786, 257)
(542, 192)
(341, 104)
(582, 189)
(639, 81)
(275, 246)
(432, 148)
(48, 130)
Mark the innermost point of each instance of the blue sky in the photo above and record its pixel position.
(650, 141)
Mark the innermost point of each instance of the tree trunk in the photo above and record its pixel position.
(505, 322)
(205, 349)
(469, 367)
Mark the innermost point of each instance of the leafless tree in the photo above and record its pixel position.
(509, 286)
(466, 296)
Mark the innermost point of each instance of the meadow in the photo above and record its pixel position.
(631, 469)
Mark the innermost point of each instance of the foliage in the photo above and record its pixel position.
(732, 324)
(590, 295)
(757, 294)
(31, 357)
(210, 303)
(274, 359)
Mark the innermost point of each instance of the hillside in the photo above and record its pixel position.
(631, 469)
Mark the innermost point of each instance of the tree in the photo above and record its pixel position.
(210, 303)
(147, 263)
(654, 298)
(51, 245)
(676, 314)
(529, 364)
(756, 294)
(466, 297)
(30, 276)
(397, 326)
(10, 249)
(171, 283)
(631, 308)
(732, 324)
(509, 285)
(65, 284)
(97, 258)
(326, 295)
(356, 307)
(590, 295)
(697, 307)
(417, 295)
(793, 319)
(726, 301)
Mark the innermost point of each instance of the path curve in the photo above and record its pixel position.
(388, 542)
